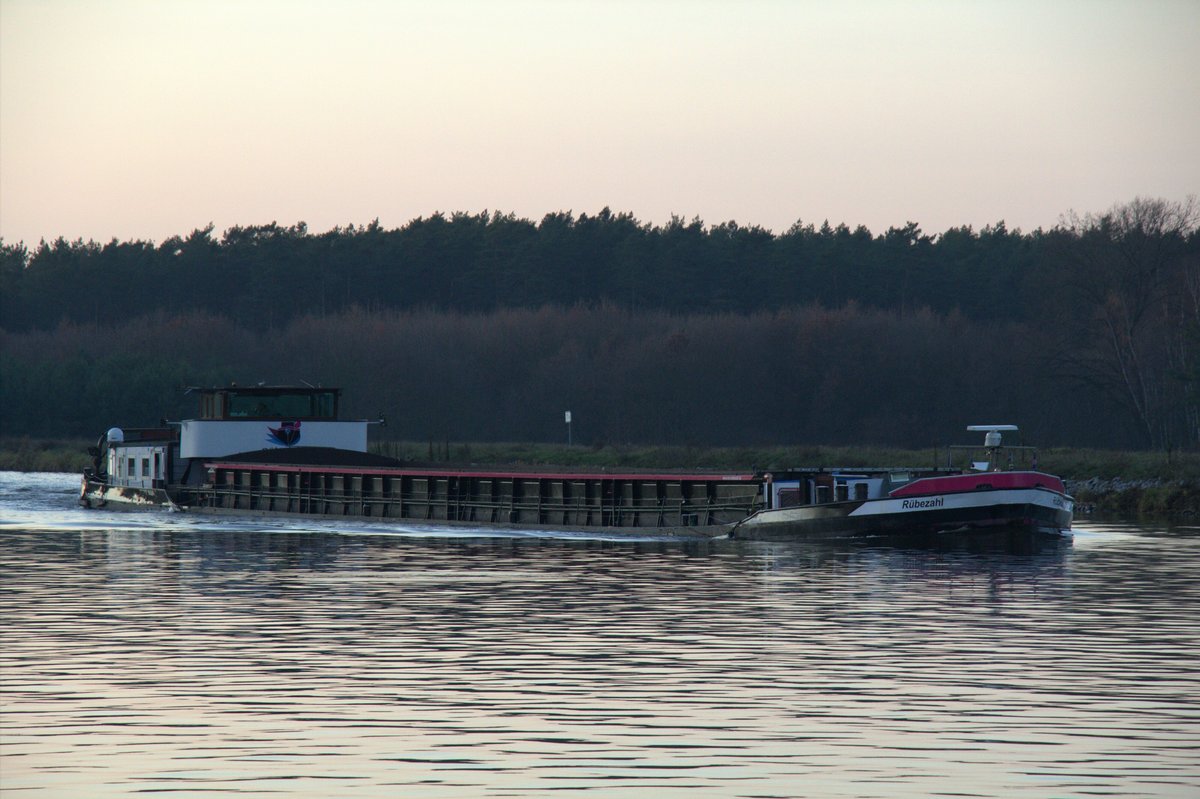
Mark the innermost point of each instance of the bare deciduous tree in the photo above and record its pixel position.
(1133, 329)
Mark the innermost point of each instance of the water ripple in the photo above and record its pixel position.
(152, 654)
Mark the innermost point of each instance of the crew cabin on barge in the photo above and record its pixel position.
(138, 465)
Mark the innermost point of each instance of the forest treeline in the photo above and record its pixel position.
(264, 276)
(488, 327)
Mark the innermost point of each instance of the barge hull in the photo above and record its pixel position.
(1036, 510)
(317, 465)
(660, 504)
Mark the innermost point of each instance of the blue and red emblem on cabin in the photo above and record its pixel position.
(286, 435)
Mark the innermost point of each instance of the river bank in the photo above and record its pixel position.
(1135, 498)
(1128, 483)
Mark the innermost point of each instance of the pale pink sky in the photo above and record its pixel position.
(149, 118)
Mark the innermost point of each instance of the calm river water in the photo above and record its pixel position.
(156, 653)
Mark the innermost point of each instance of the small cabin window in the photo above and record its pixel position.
(842, 492)
(132, 468)
(145, 467)
(860, 490)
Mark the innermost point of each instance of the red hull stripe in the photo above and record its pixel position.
(980, 481)
(401, 471)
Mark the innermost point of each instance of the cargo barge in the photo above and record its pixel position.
(285, 451)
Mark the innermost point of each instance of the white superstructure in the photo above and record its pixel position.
(205, 438)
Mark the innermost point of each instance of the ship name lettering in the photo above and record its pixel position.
(914, 504)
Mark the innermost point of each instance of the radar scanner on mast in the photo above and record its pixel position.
(991, 442)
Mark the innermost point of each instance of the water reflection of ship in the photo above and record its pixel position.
(1014, 555)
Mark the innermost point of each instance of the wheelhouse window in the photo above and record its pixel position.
(307, 405)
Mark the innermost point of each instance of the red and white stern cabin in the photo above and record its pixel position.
(869, 502)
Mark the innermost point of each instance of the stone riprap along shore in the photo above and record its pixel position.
(1153, 496)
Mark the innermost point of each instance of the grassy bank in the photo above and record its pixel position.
(44, 454)
(1119, 482)
(1069, 463)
